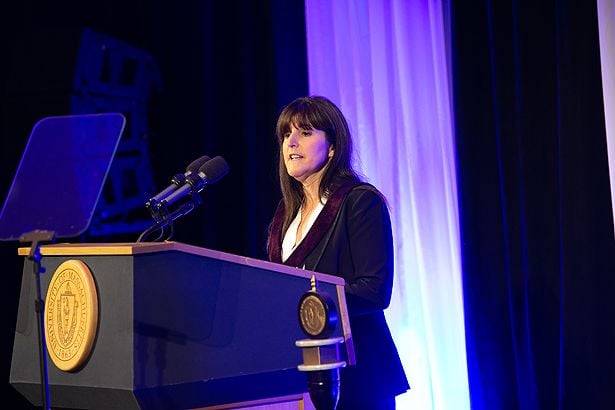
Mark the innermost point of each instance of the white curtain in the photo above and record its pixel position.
(606, 24)
(384, 63)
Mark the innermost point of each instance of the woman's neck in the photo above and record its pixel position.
(311, 192)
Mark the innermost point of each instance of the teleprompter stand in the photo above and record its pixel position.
(36, 239)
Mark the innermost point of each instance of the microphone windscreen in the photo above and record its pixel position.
(214, 169)
(197, 164)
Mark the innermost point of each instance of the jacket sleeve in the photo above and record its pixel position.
(371, 248)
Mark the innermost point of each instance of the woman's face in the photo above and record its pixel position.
(306, 152)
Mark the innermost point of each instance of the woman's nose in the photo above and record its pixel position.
(292, 140)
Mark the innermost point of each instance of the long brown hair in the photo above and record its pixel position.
(321, 114)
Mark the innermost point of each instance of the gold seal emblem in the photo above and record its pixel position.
(313, 315)
(317, 313)
(71, 315)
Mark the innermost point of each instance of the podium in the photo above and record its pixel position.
(178, 327)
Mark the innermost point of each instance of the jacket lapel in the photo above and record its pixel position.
(316, 233)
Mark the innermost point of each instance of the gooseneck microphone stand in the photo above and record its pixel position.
(36, 238)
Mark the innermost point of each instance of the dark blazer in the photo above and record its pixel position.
(357, 245)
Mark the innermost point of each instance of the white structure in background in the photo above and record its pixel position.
(606, 24)
(385, 64)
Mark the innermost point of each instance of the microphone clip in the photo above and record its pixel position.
(184, 190)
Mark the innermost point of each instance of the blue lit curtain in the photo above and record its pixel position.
(385, 64)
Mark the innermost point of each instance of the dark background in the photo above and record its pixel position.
(227, 68)
(535, 212)
(534, 195)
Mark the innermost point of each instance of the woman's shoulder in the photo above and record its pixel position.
(365, 188)
(366, 193)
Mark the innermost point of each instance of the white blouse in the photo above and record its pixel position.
(290, 243)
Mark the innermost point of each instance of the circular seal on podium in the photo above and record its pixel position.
(71, 315)
(317, 313)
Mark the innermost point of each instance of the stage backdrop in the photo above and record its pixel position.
(606, 20)
(385, 64)
(536, 218)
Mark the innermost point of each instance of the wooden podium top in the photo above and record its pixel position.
(129, 248)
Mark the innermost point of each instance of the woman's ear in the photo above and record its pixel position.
(331, 151)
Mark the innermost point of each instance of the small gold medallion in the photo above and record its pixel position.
(313, 315)
(71, 315)
(317, 313)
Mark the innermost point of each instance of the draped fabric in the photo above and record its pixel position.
(385, 65)
(606, 20)
(536, 216)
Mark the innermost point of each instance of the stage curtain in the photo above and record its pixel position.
(385, 64)
(536, 218)
(606, 19)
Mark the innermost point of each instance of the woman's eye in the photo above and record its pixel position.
(306, 133)
(286, 135)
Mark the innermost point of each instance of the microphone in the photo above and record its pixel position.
(210, 172)
(177, 181)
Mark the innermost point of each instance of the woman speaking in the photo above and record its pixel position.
(329, 221)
